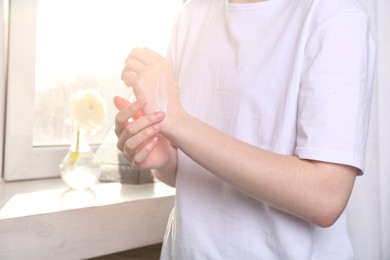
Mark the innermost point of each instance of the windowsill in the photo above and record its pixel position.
(42, 219)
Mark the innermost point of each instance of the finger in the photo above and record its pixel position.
(140, 54)
(145, 56)
(132, 53)
(132, 138)
(129, 111)
(153, 54)
(121, 103)
(139, 131)
(131, 79)
(123, 116)
(143, 153)
(134, 66)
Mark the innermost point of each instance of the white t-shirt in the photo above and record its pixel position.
(290, 76)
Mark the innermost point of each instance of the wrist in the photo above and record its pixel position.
(174, 120)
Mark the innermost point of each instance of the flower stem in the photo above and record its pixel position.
(75, 154)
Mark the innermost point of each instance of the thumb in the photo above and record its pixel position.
(120, 103)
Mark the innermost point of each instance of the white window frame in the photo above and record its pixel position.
(21, 159)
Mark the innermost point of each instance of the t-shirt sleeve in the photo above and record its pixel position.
(336, 90)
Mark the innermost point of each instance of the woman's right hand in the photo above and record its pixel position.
(138, 135)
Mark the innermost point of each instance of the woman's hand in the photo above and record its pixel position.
(138, 135)
(152, 79)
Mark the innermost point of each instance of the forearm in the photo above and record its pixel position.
(312, 190)
(315, 191)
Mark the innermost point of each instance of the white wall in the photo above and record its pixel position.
(2, 84)
(369, 208)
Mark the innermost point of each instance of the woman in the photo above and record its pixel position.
(259, 119)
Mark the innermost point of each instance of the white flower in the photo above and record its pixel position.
(88, 109)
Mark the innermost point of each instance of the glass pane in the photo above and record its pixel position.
(83, 44)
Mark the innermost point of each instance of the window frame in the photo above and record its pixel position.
(21, 160)
(32, 162)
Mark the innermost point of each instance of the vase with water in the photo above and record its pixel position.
(79, 169)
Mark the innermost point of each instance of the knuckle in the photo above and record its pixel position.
(118, 119)
(156, 65)
(131, 79)
(117, 132)
(140, 80)
(129, 146)
(135, 51)
(119, 146)
(149, 119)
(136, 161)
(126, 156)
(130, 130)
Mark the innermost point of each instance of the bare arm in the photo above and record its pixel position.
(315, 191)
(312, 190)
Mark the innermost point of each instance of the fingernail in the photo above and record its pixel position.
(160, 115)
(153, 129)
(156, 127)
(152, 143)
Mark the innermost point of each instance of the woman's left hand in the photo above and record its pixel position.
(152, 79)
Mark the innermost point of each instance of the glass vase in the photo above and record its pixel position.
(79, 169)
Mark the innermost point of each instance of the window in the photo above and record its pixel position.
(57, 47)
